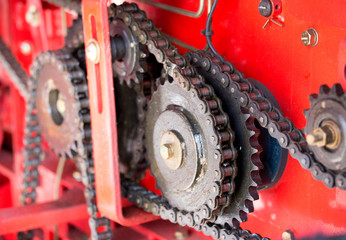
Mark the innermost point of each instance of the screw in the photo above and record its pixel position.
(288, 235)
(32, 16)
(265, 8)
(93, 51)
(310, 37)
(25, 48)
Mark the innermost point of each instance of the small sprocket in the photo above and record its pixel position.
(61, 95)
(326, 132)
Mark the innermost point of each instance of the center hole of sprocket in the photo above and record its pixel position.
(57, 106)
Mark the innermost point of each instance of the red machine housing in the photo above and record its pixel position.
(273, 55)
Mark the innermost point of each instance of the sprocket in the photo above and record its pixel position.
(129, 56)
(61, 100)
(246, 137)
(326, 131)
(190, 148)
(135, 71)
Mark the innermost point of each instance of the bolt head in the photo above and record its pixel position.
(309, 37)
(318, 138)
(25, 48)
(166, 151)
(93, 51)
(171, 150)
(265, 8)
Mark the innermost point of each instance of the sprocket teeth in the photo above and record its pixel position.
(253, 193)
(324, 89)
(255, 144)
(256, 160)
(305, 112)
(255, 176)
(313, 98)
(236, 222)
(250, 124)
(249, 205)
(337, 89)
(243, 215)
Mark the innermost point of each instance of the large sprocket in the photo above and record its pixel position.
(246, 137)
(190, 148)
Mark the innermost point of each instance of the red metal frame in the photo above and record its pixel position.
(275, 56)
(102, 108)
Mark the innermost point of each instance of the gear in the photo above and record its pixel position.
(59, 109)
(135, 71)
(61, 99)
(326, 131)
(246, 138)
(129, 56)
(173, 62)
(187, 134)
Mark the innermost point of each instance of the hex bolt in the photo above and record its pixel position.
(265, 8)
(32, 16)
(310, 37)
(167, 151)
(171, 150)
(93, 51)
(328, 135)
(25, 48)
(288, 235)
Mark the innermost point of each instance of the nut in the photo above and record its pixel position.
(310, 37)
(328, 135)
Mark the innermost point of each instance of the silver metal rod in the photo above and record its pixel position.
(180, 43)
(177, 10)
